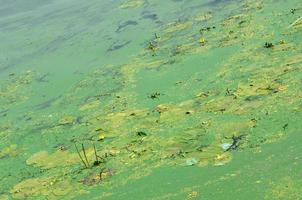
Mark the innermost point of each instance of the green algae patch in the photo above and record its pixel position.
(285, 188)
(4, 197)
(50, 187)
(13, 90)
(57, 159)
(176, 27)
(67, 120)
(190, 93)
(90, 105)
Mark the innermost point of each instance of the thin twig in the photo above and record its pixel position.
(80, 155)
(85, 154)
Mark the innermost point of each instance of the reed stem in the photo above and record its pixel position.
(79, 154)
(85, 155)
(95, 153)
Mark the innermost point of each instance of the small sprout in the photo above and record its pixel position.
(268, 45)
(293, 10)
(101, 136)
(254, 120)
(152, 46)
(202, 41)
(141, 133)
(285, 126)
(132, 114)
(228, 92)
(155, 95)
(208, 28)
(96, 162)
(61, 147)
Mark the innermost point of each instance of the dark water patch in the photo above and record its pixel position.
(3, 69)
(57, 43)
(117, 45)
(9, 8)
(213, 4)
(217, 2)
(43, 78)
(46, 104)
(149, 15)
(253, 98)
(123, 25)
(49, 47)
(3, 113)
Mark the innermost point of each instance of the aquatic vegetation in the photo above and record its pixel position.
(57, 159)
(176, 27)
(204, 16)
(211, 88)
(13, 90)
(51, 187)
(286, 188)
(67, 120)
(222, 159)
(202, 41)
(4, 197)
(90, 105)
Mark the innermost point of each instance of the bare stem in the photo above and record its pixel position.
(80, 156)
(85, 155)
(95, 153)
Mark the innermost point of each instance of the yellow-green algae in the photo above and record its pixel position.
(215, 80)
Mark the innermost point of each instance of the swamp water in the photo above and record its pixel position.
(149, 99)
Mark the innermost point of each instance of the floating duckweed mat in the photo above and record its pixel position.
(150, 100)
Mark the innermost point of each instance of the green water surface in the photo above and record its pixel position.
(149, 99)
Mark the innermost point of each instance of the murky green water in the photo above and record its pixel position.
(143, 99)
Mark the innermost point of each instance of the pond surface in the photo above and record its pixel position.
(149, 99)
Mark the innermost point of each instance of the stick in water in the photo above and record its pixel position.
(80, 155)
(85, 154)
(96, 155)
